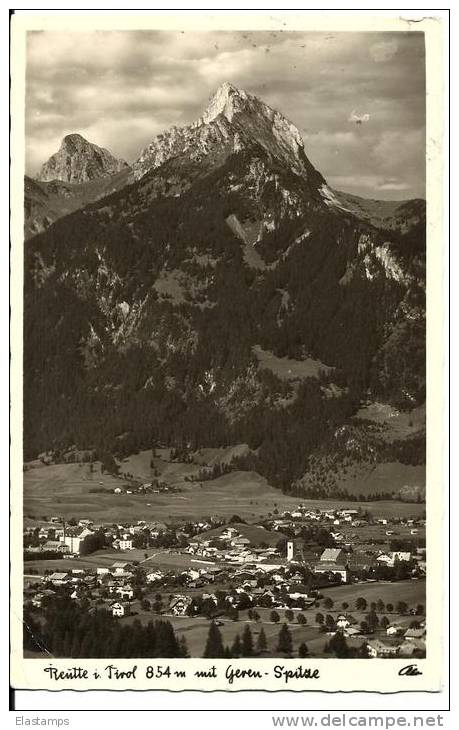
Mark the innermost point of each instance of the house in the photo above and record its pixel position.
(125, 543)
(179, 605)
(154, 576)
(401, 555)
(55, 546)
(394, 630)
(414, 634)
(361, 561)
(408, 648)
(120, 568)
(350, 632)
(377, 648)
(125, 592)
(73, 538)
(343, 621)
(102, 571)
(120, 609)
(58, 579)
(329, 567)
(333, 555)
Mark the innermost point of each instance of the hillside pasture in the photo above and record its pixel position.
(397, 424)
(388, 477)
(65, 490)
(286, 368)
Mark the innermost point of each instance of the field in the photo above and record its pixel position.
(256, 534)
(165, 560)
(65, 490)
(387, 477)
(287, 369)
(410, 591)
(195, 629)
(376, 535)
(398, 424)
(195, 632)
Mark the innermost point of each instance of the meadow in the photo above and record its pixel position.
(67, 490)
(195, 628)
(412, 592)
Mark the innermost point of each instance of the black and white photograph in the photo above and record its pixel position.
(224, 349)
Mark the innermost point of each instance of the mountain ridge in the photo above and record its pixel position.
(144, 327)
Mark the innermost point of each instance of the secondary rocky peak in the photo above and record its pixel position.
(74, 138)
(78, 160)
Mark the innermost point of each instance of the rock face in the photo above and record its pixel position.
(233, 121)
(79, 161)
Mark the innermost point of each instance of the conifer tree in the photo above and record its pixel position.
(150, 640)
(303, 650)
(67, 648)
(183, 647)
(262, 644)
(236, 648)
(214, 644)
(247, 642)
(87, 645)
(76, 644)
(284, 642)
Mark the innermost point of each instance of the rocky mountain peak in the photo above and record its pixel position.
(227, 100)
(233, 120)
(78, 160)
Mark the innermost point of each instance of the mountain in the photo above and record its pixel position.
(398, 215)
(224, 294)
(233, 121)
(79, 161)
(45, 202)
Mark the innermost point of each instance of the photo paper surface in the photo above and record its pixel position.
(226, 353)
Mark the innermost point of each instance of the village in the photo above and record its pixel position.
(337, 579)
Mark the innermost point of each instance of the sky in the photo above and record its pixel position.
(358, 99)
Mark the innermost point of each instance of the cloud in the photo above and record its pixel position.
(119, 89)
(392, 184)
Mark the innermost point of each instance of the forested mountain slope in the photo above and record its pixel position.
(145, 310)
